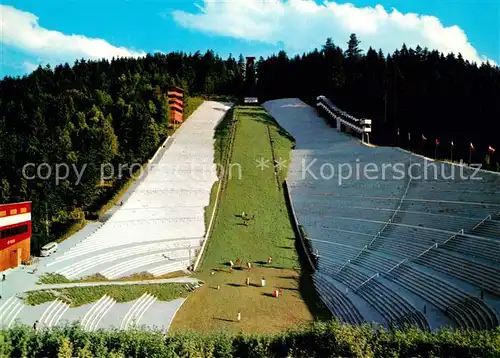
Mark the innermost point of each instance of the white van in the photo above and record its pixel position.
(48, 249)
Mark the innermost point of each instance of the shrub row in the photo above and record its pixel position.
(315, 340)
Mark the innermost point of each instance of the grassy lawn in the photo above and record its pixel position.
(78, 296)
(258, 193)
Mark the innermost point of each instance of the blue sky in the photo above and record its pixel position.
(36, 31)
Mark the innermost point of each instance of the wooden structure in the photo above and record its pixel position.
(176, 105)
(15, 234)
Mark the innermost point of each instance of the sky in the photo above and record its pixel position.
(37, 32)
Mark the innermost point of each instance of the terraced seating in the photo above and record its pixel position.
(416, 234)
(135, 313)
(168, 268)
(349, 238)
(9, 310)
(446, 208)
(425, 213)
(398, 248)
(466, 311)
(475, 246)
(82, 266)
(94, 315)
(123, 267)
(348, 212)
(452, 264)
(441, 222)
(53, 314)
(336, 251)
(336, 301)
(490, 228)
(374, 262)
(394, 309)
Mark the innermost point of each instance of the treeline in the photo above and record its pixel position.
(79, 118)
(318, 340)
(417, 90)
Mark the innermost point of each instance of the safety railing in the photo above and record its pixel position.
(481, 222)
(344, 265)
(395, 266)
(459, 232)
(430, 248)
(366, 281)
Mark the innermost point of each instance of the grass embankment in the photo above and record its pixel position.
(54, 278)
(78, 296)
(256, 192)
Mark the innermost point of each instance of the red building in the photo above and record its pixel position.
(176, 104)
(15, 234)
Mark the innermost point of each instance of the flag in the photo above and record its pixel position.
(452, 143)
(491, 149)
(472, 147)
(437, 142)
(398, 132)
(423, 137)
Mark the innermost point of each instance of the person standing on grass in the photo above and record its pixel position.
(35, 327)
(269, 260)
(248, 281)
(263, 282)
(238, 317)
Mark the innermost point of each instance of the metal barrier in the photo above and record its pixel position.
(366, 281)
(344, 265)
(433, 246)
(393, 214)
(481, 222)
(461, 231)
(359, 253)
(395, 266)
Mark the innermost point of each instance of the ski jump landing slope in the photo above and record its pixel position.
(383, 219)
(161, 224)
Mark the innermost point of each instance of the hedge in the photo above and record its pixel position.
(320, 339)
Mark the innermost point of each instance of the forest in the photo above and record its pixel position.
(115, 111)
(319, 339)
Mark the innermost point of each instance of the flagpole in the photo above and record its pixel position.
(470, 154)
(451, 155)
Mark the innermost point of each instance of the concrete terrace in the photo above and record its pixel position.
(401, 239)
(161, 224)
(158, 229)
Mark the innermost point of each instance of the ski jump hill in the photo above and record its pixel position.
(400, 240)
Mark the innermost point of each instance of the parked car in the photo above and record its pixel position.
(48, 249)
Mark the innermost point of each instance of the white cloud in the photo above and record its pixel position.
(29, 66)
(21, 30)
(304, 24)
